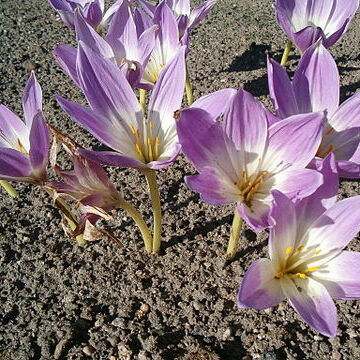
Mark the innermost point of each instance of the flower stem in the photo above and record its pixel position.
(9, 188)
(234, 235)
(155, 201)
(286, 53)
(188, 88)
(145, 232)
(142, 93)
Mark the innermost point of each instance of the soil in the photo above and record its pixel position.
(107, 301)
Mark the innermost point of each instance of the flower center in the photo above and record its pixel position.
(249, 185)
(294, 263)
(147, 146)
(20, 147)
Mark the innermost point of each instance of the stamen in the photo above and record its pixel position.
(288, 250)
(329, 131)
(312, 269)
(21, 147)
(157, 144)
(149, 142)
(317, 252)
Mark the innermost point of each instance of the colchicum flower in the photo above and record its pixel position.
(307, 264)
(307, 21)
(116, 118)
(242, 160)
(24, 146)
(185, 17)
(92, 10)
(315, 87)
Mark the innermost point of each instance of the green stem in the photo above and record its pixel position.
(145, 232)
(234, 235)
(9, 188)
(286, 53)
(142, 99)
(188, 88)
(155, 201)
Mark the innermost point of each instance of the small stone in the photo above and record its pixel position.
(118, 322)
(336, 356)
(112, 357)
(60, 348)
(197, 306)
(88, 350)
(124, 352)
(324, 346)
(317, 338)
(351, 333)
(144, 309)
(226, 334)
(143, 355)
(114, 340)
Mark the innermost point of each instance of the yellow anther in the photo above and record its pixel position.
(21, 147)
(300, 248)
(288, 250)
(312, 269)
(317, 252)
(133, 130)
(301, 275)
(264, 173)
(157, 144)
(149, 142)
(329, 131)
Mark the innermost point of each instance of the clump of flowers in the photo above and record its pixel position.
(281, 171)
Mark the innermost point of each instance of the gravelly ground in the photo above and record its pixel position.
(57, 298)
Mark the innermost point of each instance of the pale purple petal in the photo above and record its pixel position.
(32, 99)
(12, 128)
(215, 103)
(293, 141)
(111, 158)
(341, 276)
(14, 165)
(39, 146)
(171, 154)
(283, 233)
(246, 125)
(347, 115)
(86, 34)
(337, 226)
(348, 169)
(298, 183)
(316, 81)
(281, 90)
(200, 12)
(168, 92)
(106, 87)
(313, 206)
(93, 13)
(308, 36)
(66, 57)
(259, 289)
(257, 216)
(212, 186)
(142, 20)
(313, 303)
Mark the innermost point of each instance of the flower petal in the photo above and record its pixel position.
(281, 90)
(246, 125)
(316, 81)
(308, 36)
(313, 303)
(200, 12)
(288, 136)
(347, 115)
(341, 276)
(32, 99)
(348, 169)
(337, 226)
(283, 233)
(39, 146)
(259, 289)
(65, 56)
(14, 165)
(215, 103)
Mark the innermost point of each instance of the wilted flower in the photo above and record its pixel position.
(315, 87)
(307, 264)
(24, 146)
(307, 21)
(242, 160)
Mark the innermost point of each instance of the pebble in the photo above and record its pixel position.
(118, 322)
(112, 357)
(336, 356)
(226, 334)
(324, 346)
(317, 338)
(60, 348)
(197, 305)
(114, 340)
(88, 350)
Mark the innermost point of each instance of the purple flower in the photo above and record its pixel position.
(185, 17)
(24, 146)
(315, 87)
(242, 160)
(92, 10)
(116, 119)
(306, 21)
(307, 264)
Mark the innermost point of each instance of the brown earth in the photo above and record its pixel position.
(57, 298)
